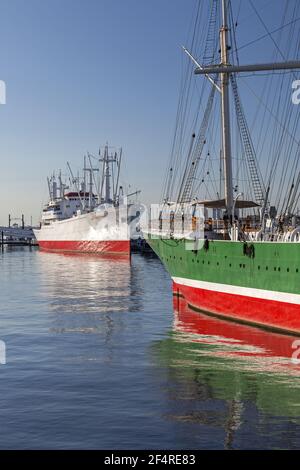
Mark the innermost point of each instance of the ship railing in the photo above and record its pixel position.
(177, 227)
(290, 235)
(191, 227)
(217, 224)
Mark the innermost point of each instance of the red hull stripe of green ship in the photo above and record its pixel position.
(262, 289)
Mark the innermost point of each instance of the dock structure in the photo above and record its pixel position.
(17, 236)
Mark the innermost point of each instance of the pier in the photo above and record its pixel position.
(17, 235)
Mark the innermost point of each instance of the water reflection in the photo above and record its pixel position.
(85, 291)
(212, 363)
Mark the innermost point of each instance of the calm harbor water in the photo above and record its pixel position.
(97, 357)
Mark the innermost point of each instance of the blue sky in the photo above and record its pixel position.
(83, 72)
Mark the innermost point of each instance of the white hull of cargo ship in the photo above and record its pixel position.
(92, 232)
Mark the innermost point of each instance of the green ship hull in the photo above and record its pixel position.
(257, 283)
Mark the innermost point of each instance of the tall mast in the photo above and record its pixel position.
(118, 175)
(91, 172)
(49, 181)
(107, 159)
(107, 175)
(91, 189)
(61, 186)
(84, 182)
(225, 111)
(224, 70)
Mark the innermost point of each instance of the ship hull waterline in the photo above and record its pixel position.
(263, 291)
(92, 233)
(111, 247)
(272, 315)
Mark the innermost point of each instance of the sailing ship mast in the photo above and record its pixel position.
(225, 111)
(225, 69)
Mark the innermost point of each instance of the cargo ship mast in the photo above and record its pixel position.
(107, 160)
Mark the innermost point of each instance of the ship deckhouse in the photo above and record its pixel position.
(70, 205)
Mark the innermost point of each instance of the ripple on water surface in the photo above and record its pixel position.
(98, 357)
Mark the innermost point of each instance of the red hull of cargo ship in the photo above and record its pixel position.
(269, 314)
(120, 247)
